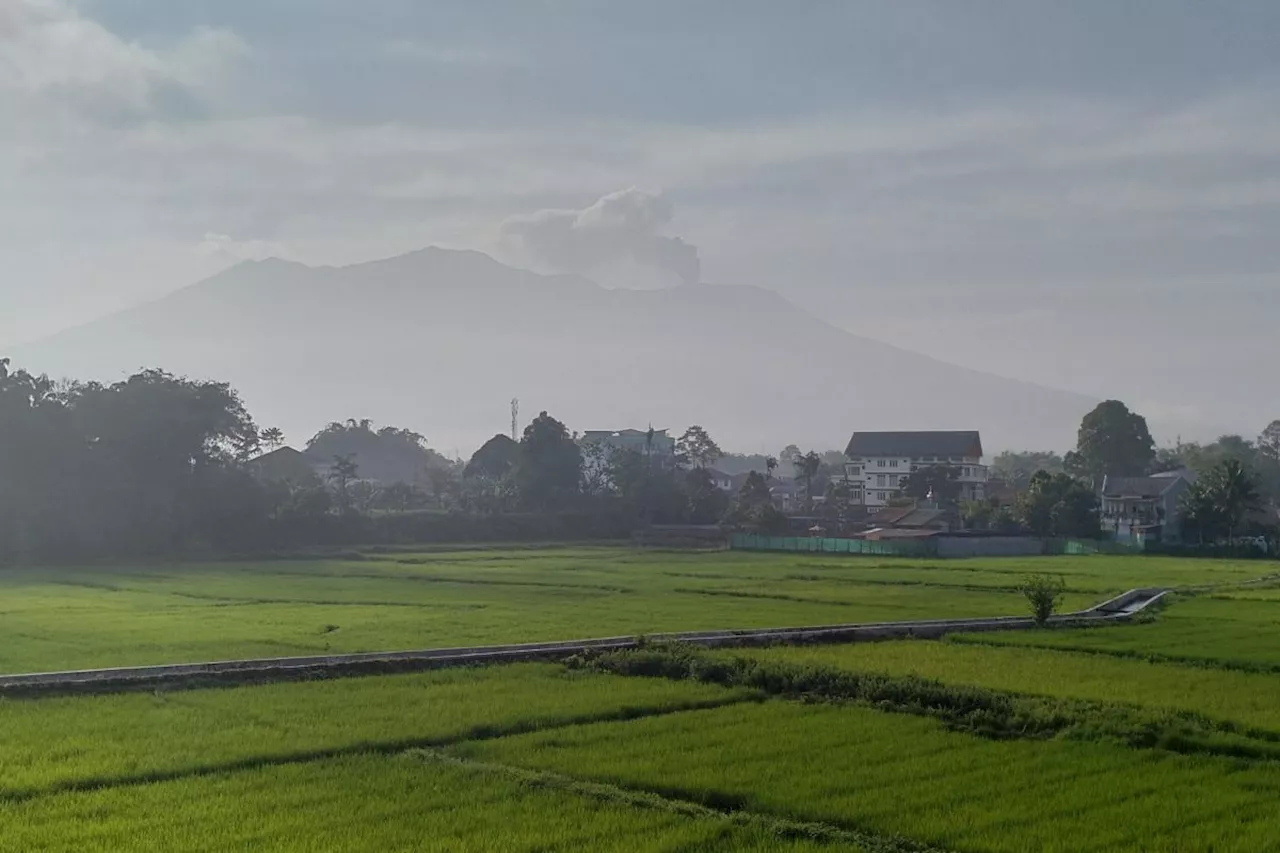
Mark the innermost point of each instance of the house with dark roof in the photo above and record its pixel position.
(878, 462)
(660, 443)
(1137, 509)
(914, 518)
(722, 481)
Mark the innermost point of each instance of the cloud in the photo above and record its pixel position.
(53, 57)
(619, 226)
(225, 247)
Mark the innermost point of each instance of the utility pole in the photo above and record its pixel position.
(515, 417)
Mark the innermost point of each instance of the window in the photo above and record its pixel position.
(880, 463)
(893, 463)
(879, 496)
(879, 479)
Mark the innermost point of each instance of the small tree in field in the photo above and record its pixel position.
(1044, 594)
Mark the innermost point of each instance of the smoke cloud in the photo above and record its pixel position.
(225, 247)
(619, 226)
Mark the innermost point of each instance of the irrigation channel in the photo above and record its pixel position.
(1122, 608)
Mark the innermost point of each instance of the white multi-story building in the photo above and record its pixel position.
(878, 462)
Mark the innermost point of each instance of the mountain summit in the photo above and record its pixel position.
(440, 340)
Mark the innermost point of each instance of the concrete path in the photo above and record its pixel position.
(1119, 609)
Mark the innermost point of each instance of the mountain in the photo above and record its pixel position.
(439, 341)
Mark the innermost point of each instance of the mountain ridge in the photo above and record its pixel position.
(439, 340)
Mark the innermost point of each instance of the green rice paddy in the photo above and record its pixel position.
(540, 757)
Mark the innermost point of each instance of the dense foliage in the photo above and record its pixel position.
(145, 465)
(1112, 441)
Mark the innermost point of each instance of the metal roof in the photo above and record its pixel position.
(916, 444)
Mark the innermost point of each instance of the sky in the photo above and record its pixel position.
(1084, 195)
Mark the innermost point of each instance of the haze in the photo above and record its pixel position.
(1083, 196)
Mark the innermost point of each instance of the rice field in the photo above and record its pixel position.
(46, 744)
(545, 757)
(1244, 698)
(894, 774)
(364, 802)
(53, 619)
(1205, 630)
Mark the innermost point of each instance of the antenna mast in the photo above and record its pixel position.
(515, 417)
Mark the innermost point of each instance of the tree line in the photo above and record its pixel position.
(1235, 478)
(162, 464)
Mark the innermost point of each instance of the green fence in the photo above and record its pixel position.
(913, 547)
(1091, 546)
(814, 544)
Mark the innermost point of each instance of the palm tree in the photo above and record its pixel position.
(1235, 493)
(272, 438)
(1200, 510)
(807, 466)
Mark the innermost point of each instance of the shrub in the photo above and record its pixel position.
(1044, 594)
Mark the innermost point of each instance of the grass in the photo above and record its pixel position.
(53, 619)
(366, 803)
(1246, 699)
(891, 774)
(999, 742)
(50, 744)
(1204, 630)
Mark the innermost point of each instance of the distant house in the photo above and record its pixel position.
(883, 534)
(914, 518)
(1136, 509)
(783, 492)
(638, 440)
(878, 462)
(285, 465)
(1001, 494)
(722, 481)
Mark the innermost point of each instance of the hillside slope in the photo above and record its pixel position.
(440, 340)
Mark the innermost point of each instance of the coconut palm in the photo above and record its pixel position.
(1235, 492)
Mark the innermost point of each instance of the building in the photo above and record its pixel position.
(1136, 509)
(722, 481)
(914, 518)
(878, 462)
(632, 439)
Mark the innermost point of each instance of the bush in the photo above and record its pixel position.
(1044, 594)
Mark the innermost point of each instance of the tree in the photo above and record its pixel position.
(1221, 500)
(549, 470)
(1058, 505)
(806, 467)
(1269, 440)
(272, 438)
(838, 503)
(770, 465)
(1256, 458)
(706, 503)
(496, 458)
(387, 455)
(399, 497)
(1016, 467)
(753, 510)
(341, 472)
(698, 448)
(1112, 441)
(150, 465)
(942, 480)
(1201, 514)
(1044, 594)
